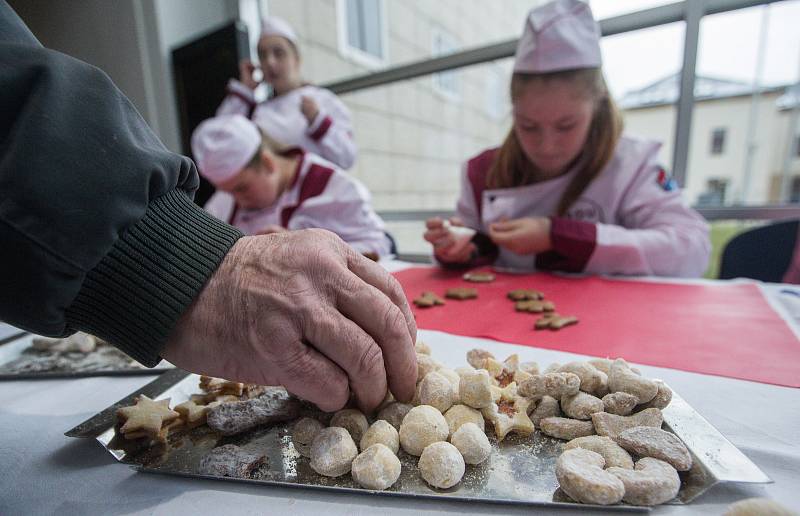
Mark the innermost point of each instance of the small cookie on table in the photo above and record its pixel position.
(428, 299)
(461, 293)
(553, 321)
(479, 277)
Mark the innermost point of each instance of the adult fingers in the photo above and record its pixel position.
(379, 306)
(310, 375)
(353, 350)
(375, 275)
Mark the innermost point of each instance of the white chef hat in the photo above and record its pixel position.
(560, 35)
(274, 26)
(224, 145)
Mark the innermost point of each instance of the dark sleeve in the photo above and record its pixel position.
(97, 225)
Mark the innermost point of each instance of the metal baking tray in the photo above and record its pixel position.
(519, 472)
(15, 347)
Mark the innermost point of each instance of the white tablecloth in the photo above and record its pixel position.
(43, 472)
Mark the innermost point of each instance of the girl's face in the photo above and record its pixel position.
(279, 62)
(551, 121)
(254, 188)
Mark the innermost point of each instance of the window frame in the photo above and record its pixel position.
(723, 133)
(355, 54)
(436, 78)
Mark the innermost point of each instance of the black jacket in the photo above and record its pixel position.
(98, 231)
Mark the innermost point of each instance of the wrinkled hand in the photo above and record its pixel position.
(309, 108)
(246, 71)
(529, 235)
(270, 229)
(443, 241)
(304, 310)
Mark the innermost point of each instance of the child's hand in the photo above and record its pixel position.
(529, 235)
(309, 108)
(272, 228)
(246, 71)
(444, 243)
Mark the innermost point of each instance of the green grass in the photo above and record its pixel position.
(721, 232)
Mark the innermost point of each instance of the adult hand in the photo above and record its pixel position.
(309, 108)
(304, 310)
(270, 229)
(444, 243)
(529, 235)
(246, 71)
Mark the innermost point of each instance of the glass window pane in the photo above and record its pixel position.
(642, 70)
(354, 34)
(373, 28)
(747, 61)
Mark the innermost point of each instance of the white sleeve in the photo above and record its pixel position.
(466, 209)
(220, 205)
(240, 100)
(344, 208)
(659, 234)
(332, 130)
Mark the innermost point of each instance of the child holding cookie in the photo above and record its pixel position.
(566, 190)
(263, 188)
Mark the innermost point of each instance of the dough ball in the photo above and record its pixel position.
(352, 420)
(422, 426)
(376, 467)
(332, 452)
(472, 443)
(441, 465)
(381, 432)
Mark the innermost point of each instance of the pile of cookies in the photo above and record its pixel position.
(441, 427)
(525, 300)
(610, 415)
(226, 407)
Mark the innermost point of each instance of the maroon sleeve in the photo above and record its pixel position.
(573, 244)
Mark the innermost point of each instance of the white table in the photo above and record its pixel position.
(43, 472)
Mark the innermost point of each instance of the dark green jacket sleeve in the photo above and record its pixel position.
(98, 231)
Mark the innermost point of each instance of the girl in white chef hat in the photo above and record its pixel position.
(297, 113)
(566, 190)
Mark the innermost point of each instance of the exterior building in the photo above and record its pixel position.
(718, 165)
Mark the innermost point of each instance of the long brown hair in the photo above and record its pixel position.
(512, 168)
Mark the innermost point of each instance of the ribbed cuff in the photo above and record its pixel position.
(135, 295)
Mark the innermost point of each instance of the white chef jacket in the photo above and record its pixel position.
(630, 220)
(320, 196)
(329, 135)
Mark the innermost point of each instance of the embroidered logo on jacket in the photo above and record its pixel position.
(587, 210)
(665, 181)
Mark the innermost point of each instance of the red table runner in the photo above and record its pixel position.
(720, 329)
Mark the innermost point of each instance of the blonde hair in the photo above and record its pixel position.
(269, 144)
(512, 168)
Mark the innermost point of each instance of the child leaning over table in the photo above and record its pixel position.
(566, 191)
(263, 188)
